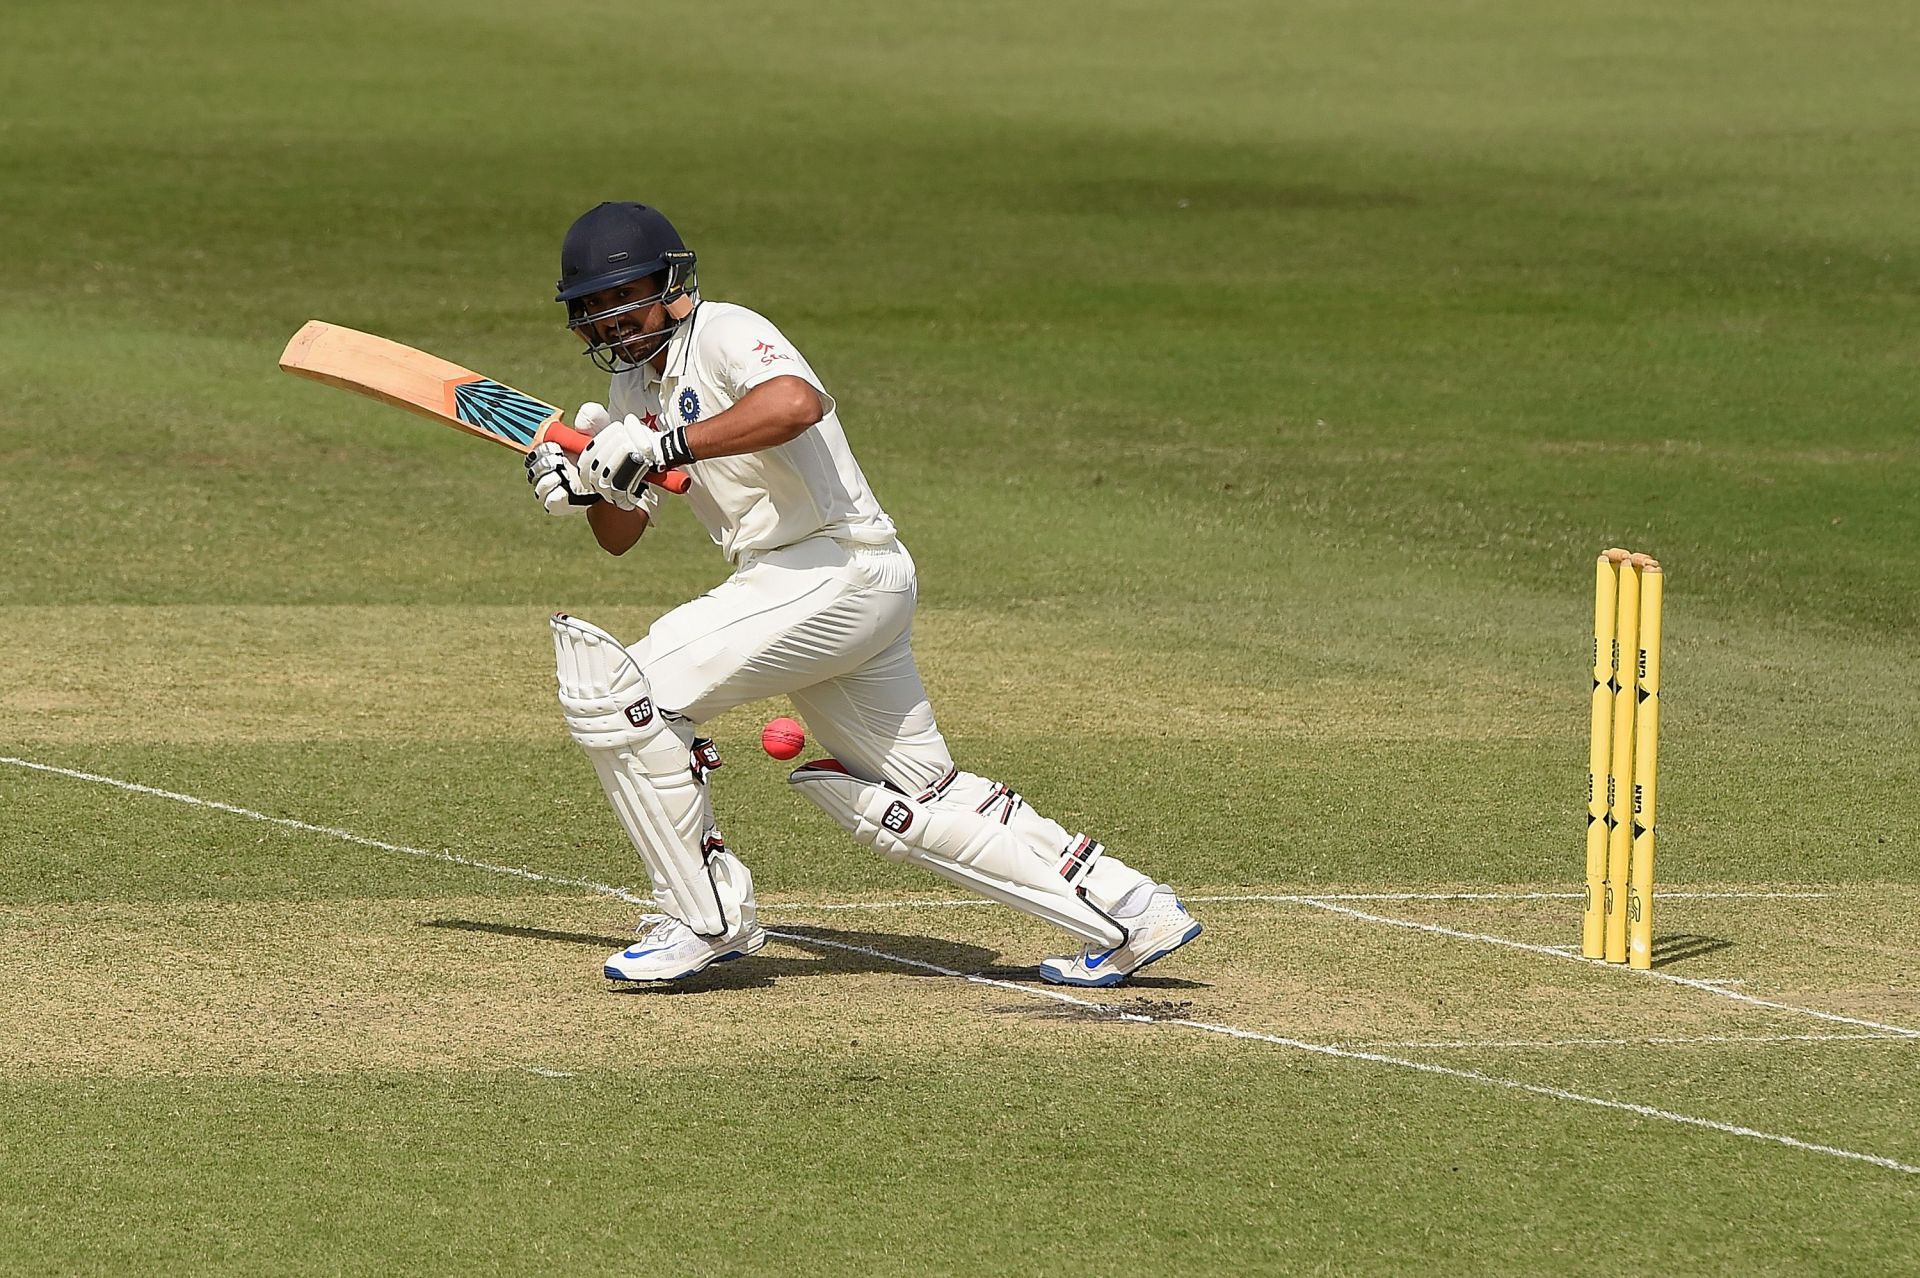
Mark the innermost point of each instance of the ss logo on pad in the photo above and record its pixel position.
(640, 713)
(898, 817)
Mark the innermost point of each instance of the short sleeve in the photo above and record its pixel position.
(743, 349)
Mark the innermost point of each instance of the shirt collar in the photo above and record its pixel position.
(678, 348)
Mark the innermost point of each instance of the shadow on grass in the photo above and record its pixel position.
(763, 969)
(828, 957)
(1682, 946)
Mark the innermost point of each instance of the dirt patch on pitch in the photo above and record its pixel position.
(1138, 1011)
(458, 983)
(293, 988)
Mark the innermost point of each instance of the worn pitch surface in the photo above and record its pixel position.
(1253, 387)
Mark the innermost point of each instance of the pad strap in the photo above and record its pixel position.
(706, 758)
(1079, 857)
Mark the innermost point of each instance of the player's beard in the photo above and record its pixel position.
(634, 350)
(616, 343)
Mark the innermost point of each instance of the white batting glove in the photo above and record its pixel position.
(556, 481)
(591, 418)
(622, 455)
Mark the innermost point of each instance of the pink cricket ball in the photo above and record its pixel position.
(783, 738)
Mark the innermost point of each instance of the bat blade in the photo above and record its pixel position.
(420, 383)
(436, 389)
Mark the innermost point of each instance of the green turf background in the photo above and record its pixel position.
(1298, 358)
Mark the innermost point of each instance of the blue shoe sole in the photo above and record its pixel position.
(1114, 978)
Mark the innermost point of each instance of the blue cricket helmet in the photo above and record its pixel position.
(617, 243)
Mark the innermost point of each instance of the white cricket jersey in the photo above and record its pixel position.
(756, 501)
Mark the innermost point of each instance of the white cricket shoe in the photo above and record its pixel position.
(669, 950)
(1155, 931)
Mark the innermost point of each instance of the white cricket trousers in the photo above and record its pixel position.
(826, 623)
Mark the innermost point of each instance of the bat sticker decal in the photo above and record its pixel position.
(502, 410)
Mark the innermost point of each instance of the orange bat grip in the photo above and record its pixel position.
(674, 481)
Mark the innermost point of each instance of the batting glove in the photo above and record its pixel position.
(556, 481)
(624, 453)
(591, 418)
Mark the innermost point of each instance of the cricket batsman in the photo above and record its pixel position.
(819, 608)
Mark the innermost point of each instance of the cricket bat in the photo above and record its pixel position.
(436, 389)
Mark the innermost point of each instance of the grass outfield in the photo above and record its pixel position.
(1253, 386)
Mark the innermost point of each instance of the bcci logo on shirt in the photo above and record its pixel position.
(898, 817)
(689, 405)
(640, 713)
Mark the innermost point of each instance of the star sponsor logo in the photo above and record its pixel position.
(768, 352)
(650, 420)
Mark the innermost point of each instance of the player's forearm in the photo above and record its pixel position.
(767, 416)
(615, 529)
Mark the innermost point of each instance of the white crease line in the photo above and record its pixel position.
(1658, 895)
(1351, 1053)
(803, 907)
(1283, 898)
(288, 823)
(1319, 1049)
(1657, 1040)
(1498, 897)
(1557, 1093)
(1650, 974)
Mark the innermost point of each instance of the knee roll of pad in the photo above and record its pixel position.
(603, 693)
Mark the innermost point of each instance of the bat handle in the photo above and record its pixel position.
(674, 481)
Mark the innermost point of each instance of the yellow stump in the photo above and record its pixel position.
(1626, 641)
(1646, 758)
(1606, 588)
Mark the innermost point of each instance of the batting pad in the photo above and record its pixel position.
(1084, 861)
(948, 837)
(644, 765)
